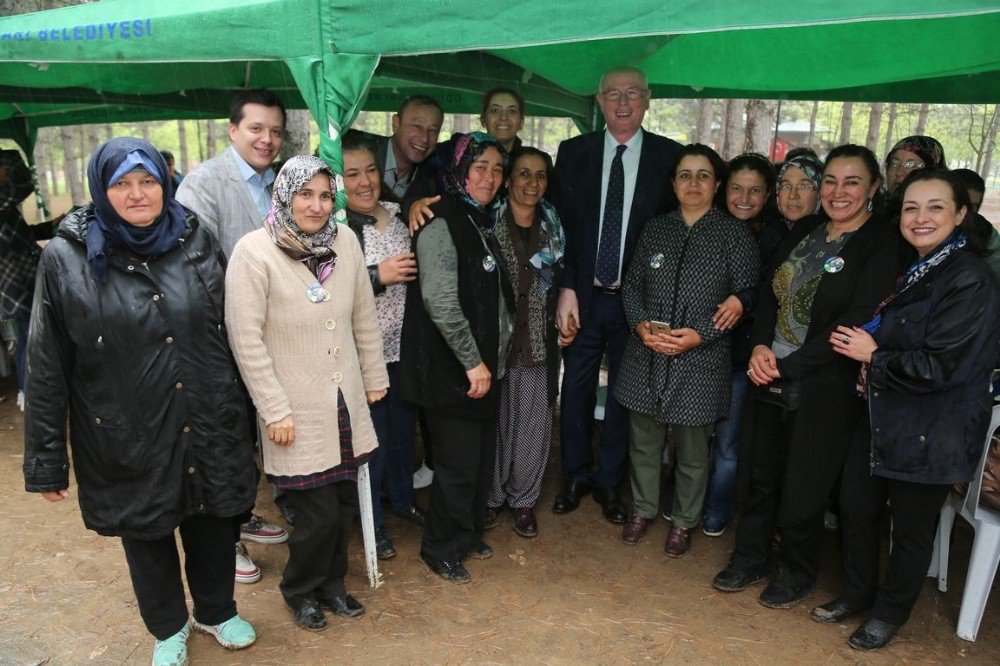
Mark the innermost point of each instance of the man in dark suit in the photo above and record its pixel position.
(607, 184)
(415, 129)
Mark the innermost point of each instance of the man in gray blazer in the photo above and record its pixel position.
(231, 194)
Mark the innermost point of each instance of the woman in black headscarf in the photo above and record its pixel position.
(127, 336)
(454, 346)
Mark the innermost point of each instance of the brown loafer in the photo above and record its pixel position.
(678, 541)
(634, 529)
(525, 523)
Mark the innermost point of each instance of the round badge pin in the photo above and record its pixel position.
(489, 264)
(833, 265)
(656, 260)
(316, 293)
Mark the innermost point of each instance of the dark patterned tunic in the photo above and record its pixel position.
(680, 275)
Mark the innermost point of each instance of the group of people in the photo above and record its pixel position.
(806, 324)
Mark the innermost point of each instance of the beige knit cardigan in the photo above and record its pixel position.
(294, 355)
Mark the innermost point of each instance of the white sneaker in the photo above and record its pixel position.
(257, 529)
(423, 476)
(20, 400)
(246, 571)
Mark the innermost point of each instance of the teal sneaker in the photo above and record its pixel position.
(174, 650)
(234, 633)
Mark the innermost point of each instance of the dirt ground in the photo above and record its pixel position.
(575, 594)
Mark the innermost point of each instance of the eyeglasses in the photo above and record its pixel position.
(801, 188)
(616, 95)
(909, 166)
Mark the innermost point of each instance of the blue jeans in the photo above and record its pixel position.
(720, 499)
(394, 423)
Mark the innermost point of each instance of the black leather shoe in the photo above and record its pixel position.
(289, 514)
(384, 547)
(481, 551)
(613, 508)
(453, 572)
(414, 515)
(306, 614)
(782, 596)
(835, 611)
(492, 518)
(872, 635)
(735, 579)
(570, 497)
(345, 605)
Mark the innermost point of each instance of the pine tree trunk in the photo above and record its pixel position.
(541, 134)
(182, 139)
(812, 124)
(760, 125)
(93, 133)
(296, 141)
(846, 119)
(71, 167)
(460, 123)
(50, 142)
(703, 132)
(732, 142)
(874, 125)
(210, 139)
(109, 131)
(145, 128)
(41, 162)
(890, 126)
(990, 143)
(925, 110)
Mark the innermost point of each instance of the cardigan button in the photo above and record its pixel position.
(336, 352)
(330, 324)
(922, 438)
(191, 470)
(156, 297)
(170, 340)
(338, 377)
(875, 394)
(98, 420)
(187, 429)
(179, 386)
(131, 267)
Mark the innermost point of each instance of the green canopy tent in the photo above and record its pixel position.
(119, 61)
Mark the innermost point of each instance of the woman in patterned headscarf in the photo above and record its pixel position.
(303, 328)
(455, 337)
(910, 154)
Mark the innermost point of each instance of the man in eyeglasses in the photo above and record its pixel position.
(606, 185)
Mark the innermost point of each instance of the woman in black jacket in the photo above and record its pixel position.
(127, 335)
(456, 332)
(927, 358)
(829, 273)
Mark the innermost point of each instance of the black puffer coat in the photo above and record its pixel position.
(157, 413)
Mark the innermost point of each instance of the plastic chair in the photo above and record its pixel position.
(985, 546)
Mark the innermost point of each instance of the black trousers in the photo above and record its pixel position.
(464, 454)
(209, 563)
(914, 508)
(791, 477)
(317, 547)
